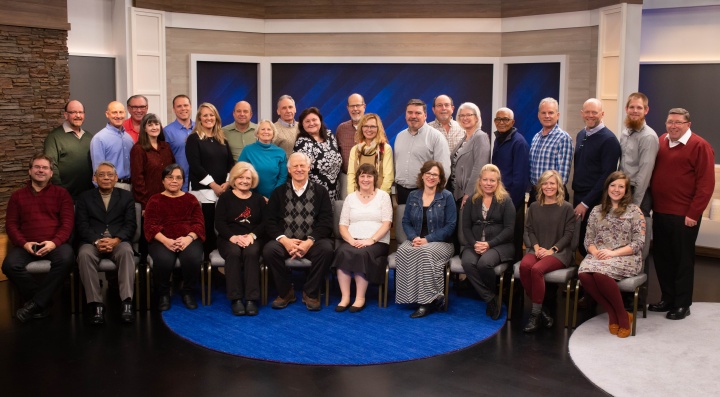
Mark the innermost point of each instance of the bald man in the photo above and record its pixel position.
(443, 109)
(113, 144)
(345, 132)
(241, 132)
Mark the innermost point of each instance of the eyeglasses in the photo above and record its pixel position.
(503, 120)
(369, 127)
(671, 123)
(432, 174)
(105, 174)
(170, 178)
(466, 115)
(75, 112)
(358, 106)
(138, 107)
(443, 105)
(41, 167)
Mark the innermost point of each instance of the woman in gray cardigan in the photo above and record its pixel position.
(488, 224)
(549, 228)
(470, 155)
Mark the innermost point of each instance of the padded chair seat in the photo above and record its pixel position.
(391, 260)
(38, 267)
(106, 265)
(298, 263)
(216, 260)
(561, 275)
(631, 283)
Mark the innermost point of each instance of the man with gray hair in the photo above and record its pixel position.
(286, 126)
(137, 105)
(443, 108)
(299, 225)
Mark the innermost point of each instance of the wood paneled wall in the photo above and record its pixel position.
(333, 9)
(48, 14)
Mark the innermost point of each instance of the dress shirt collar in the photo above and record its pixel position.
(683, 139)
(67, 128)
(299, 192)
(284, 124)
(594, 130)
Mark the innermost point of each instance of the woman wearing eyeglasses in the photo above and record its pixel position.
(470, 155)
(175, 229)
(372, 149)
(429, 223)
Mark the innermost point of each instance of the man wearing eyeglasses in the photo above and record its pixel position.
(597, 152)
(345, 131)
(38, 221)
(113, 144)
(443, 109)
(138, 107)
(69, 147)
(682, 185)
(105, 222)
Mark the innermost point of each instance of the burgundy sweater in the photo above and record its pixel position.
(146, 169)
(173, 217)
(684, 177)
(47, 215)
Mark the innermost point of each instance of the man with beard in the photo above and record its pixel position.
(443, 108)
(639, 145)
(69, 147)
(345, 132)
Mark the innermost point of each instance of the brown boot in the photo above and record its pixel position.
(312, 304)
(281, 302)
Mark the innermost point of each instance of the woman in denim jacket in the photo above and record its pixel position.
(429, 222)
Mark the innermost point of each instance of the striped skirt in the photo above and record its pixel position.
(419, 271)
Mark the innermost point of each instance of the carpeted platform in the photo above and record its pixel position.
(665, 358)
(295, 335)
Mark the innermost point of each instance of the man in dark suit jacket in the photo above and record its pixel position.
(105, 223)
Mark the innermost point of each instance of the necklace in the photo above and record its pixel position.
(364, 196)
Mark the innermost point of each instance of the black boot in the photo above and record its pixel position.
(533, 323)
(493, 308)
(547, 319)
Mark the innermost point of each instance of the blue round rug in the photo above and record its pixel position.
(296, 335)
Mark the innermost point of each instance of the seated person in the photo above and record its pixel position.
(175, 230)
(488, 226)
(105, 224)
(365, 229)
(614, 240)
(38, 221)
(239, 223)
(429, 223)
(299, 225)
(549, 229)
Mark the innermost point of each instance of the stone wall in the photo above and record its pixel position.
(34, 86)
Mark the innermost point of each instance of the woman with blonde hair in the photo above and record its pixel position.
(373, 149)
(488, 222)
(210, 159)
(269, 160)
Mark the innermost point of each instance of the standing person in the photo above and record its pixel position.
(137, 105)
(471, 154)
(113, 144)
(106, 225)
(176, 133)
(299, 226)
(346, 132)
(551, 148)
(488, 223)
(319, 144)
(416, 145)
(242, 132)
(239, 223)
(287, 128)
(429, 222)
(639, 145)
(365, 229)
(210, 159)
(548, 235)
(443, 109)
(597, 152)
(69, 147)
(268, 159)
(682, 185)
(38, 222)
(615, 238)
(175, 229)
(148, 158)
(373, 148)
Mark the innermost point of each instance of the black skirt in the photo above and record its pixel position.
(370, 261)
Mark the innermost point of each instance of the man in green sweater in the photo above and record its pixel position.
(69, 147)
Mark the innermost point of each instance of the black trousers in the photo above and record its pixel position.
(191, 259)
(61, 261)
(210, 244)
(402, 194)
(583, 224)
(674, 256)
(242, 269)
(320, 254)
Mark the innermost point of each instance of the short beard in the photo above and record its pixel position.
(634, 125)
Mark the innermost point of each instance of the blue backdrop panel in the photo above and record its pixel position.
(386, 88)
(527, 85)
(226, 83)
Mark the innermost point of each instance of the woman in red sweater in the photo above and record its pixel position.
(175, 229)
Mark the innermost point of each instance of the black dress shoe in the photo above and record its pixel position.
(661, 306)
(98, 314)
(164, 303)
(29, 310)
(547, 319)
(356, 309)
(340, 308)
(421, 311)
(128, 314)
(189, 301)
(237, 307)
(251, 308)
(678, 313)
(533, 323)
(494, 307)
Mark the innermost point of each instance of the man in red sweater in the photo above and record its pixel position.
(682, 184)
(39, 221)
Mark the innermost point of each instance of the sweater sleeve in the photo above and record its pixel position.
(67, 217)
(529, 237)
(323, 223)
(259, 227)
(467, 223)
(520, 171)
(351, 170)
(481, 155)
(568, 229)
(192, 153)
(221, 210)
(704, 180)
(388, 169)
(152, 224)
(138, 163)
(610, 156)
(273, 215)
(508, 218)
(51, 150)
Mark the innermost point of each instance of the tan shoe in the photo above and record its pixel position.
(312, 304)
(281, 302)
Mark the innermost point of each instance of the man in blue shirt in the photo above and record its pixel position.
(176, 133)
(113, 144)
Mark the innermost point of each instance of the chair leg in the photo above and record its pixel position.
(327, 291)
(385, 288)
(203, 297)
(500, 293)
(575, 306)
(137, 288)
(567, 303)
(510, 297)
(208, 272)
(264, 281)
(72, 292)
(447, 286)
(148, 279)
(635, 304)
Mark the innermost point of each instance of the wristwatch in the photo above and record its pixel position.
(311, 238)
(554, 249)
